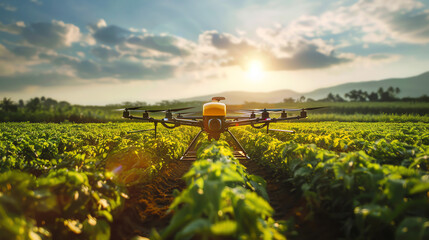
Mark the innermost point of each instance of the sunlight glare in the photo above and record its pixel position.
(255, 70)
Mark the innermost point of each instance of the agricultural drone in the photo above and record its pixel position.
(214, 120)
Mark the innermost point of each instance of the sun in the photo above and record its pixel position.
(255, 70)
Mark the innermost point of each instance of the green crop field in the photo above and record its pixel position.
(354, 180)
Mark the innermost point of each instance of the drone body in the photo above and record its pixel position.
(214, 119)
(214, 114)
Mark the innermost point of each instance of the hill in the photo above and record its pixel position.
(415, 86)
(410, 87)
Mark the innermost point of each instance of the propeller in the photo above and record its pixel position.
(260, 110)
(279, 109)
(189, 113)
(135, 109)
(153, 110)
(176, 109)
(300, 109)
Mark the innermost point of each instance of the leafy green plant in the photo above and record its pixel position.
(221, 201)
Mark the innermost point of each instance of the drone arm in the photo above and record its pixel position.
(253, 121)
(140, 118)
(284, 119)
(189, 122)
(242, 122)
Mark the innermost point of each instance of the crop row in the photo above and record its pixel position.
(67, 180)
(221, 201)
(372, 200)
(397, 144)
(410, 133)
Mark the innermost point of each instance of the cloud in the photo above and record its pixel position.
(120, 69)
(308, 57)
(370, 21)
(411, 28)
(13, 28)
(110, 35)
(25, 51)
(305, 55)
(55, 34)
(23, 80)
(105, 53)
(163, 43)
(19, 59)
(154, 45)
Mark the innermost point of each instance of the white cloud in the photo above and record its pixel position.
(54, 34)
(375, 21)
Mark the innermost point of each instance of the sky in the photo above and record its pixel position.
(106, 51)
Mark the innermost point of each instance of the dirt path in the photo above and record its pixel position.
(148, 203)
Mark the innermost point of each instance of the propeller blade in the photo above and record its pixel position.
(313, 108)
(145, 130)
(154, 110)
(149, 111)
(177, 109)
(273, 109)
(135, 109)
(300, 109)
(291, 109)
(188, 113)
(281, 130)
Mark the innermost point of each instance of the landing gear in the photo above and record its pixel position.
(190, 153)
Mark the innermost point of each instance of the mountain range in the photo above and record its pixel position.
(415, 86)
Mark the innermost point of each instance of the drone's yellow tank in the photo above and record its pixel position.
(214, 109)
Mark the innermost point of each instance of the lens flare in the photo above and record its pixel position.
(255, 70)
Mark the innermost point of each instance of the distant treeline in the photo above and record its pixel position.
(47, 110)
(381, 95)
(41, 109)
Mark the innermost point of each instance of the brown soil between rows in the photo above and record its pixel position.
(148, 203)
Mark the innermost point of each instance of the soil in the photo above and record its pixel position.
(148, 203)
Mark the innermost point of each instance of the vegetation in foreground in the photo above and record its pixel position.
(71, 180)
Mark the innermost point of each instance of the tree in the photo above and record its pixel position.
(288, 100)
(330, 97)
(373, 97)
(352, 95)
(338, 98)
(7, 105)
(33, 104)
